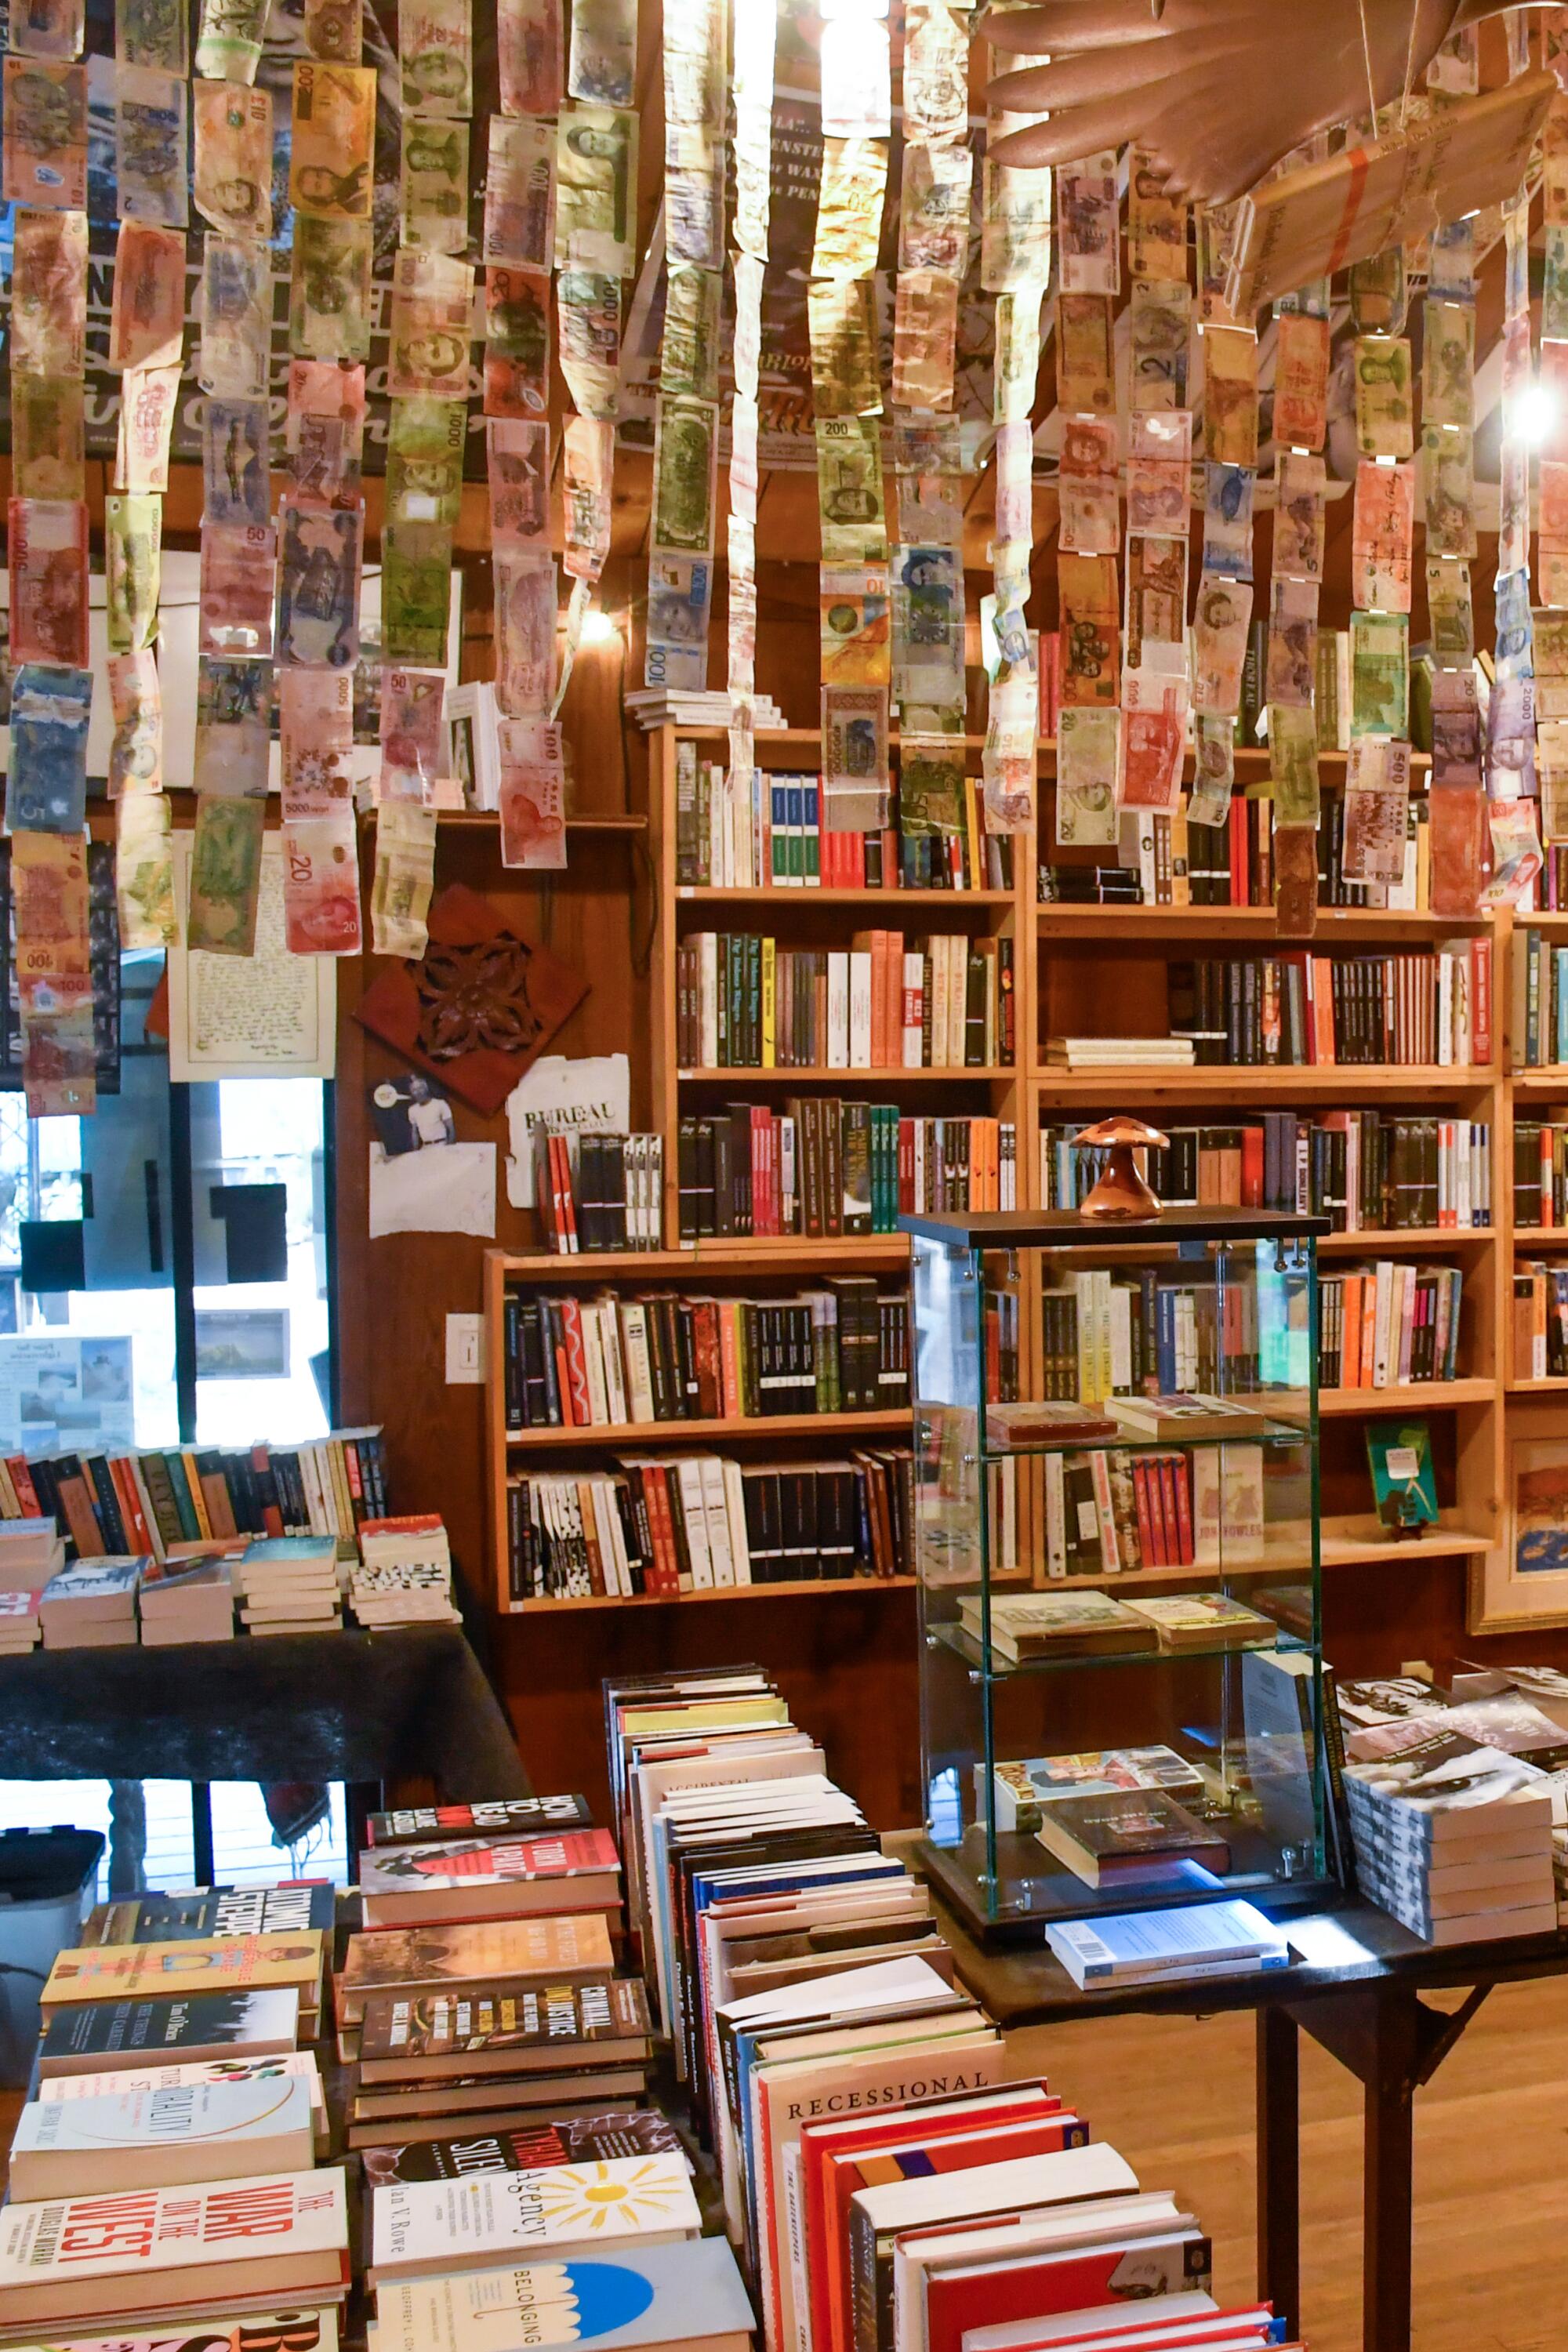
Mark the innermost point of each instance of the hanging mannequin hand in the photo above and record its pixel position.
(1216, 91)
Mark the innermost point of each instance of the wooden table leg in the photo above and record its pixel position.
(1280, 2164)
(1388, 2167)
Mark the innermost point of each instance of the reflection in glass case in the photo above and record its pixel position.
(1120, 1659)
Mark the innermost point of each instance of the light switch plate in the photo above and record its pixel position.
(465, 1350)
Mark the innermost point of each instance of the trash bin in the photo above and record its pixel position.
(46, 1882)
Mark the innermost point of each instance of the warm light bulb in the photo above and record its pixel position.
(599, 629)
(1535, 413)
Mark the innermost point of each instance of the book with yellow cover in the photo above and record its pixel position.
(198, 1965)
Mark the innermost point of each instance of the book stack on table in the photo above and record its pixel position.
(19, 1624)
(163, 2175)
(290, 1584)
(1453, 1832)
(186, 1600)
(91, 1605)
(404, 1573)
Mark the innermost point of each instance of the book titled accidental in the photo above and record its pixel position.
(1204, 1938)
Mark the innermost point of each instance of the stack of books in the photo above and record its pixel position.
(20, 1627)
(884, 2182)
(1453, 1838)
(31, 1550)
(91, 1605)
(1201, 1939)
(404, 1573)
(1119, 1053)
(186, 1600)
(665, 706)
(164, 2171)
(288, 1584)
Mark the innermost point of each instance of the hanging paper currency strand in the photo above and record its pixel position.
(45, 173)
(595, 249)
(518, 251)
(1551, 623)
(927, 573)
(847, 396)
(1089, 725)
(1155, 685)
(233, 182)
(682, 542)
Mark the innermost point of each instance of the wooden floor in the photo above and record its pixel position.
(1491, 2185)
(1491, 2182)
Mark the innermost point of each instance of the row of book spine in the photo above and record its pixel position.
(1169, 861)
(1388, 1325)
(1306, 1010)
(1361, 1169)
(777, 841)
(146, 1502)
(598, 1192)
(1102, 1335)
(1539, 1025)
(704, 1523)
(1114, 1512)
(942, 1000)
(1540, 1172)
(613, 1361)
(1540, 1320)
(824, 1166)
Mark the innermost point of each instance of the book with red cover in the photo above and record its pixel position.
(1079, 2279)
(577, 1870)
(958, 2144)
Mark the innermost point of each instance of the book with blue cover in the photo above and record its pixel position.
(689, 2295)
(1204, 1939)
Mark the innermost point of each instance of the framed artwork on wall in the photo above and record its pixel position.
(1524, 1582)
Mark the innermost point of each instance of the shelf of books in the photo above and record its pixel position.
(824, 1057)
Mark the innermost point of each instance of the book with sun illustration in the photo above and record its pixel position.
(424, 2229)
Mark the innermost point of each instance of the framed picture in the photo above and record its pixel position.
(1525, 1582)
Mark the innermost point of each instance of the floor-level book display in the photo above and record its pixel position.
(701, 2075)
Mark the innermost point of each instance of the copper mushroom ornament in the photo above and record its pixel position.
(1120, 1192)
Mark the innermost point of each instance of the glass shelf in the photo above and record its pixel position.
(966, 1645)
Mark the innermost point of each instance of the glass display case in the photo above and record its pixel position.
(1116, 1523)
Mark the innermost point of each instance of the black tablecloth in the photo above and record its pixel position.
(355, 1706)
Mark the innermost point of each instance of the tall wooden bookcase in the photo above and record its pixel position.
(1093, 969)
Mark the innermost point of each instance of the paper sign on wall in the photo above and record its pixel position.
(589, 1096)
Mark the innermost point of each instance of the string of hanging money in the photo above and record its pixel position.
(45, 798)
(689, 367)
(1550, 651)
(846, 397)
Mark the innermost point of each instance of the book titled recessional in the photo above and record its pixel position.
(427, 2229)
(502, 1817)
(637, 2299)
(275, 2238)
(84, 2037)
(571, 2139)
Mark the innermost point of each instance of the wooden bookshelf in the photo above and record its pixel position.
(1113, 957)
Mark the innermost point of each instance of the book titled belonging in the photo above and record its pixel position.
(652, 2298)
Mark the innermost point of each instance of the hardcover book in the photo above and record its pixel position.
(427, 2229)
(542, 2028)
(503, 1817)
(242, 1963)
(85, 2037)
(1020, 1789)
(280, 2236)
(579, 1871)
(213, 1912)
(571, 2139)
(499, 1955)
(641, 2299)
(1129, 1834)
(1200, 1620)
(213, 2131)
